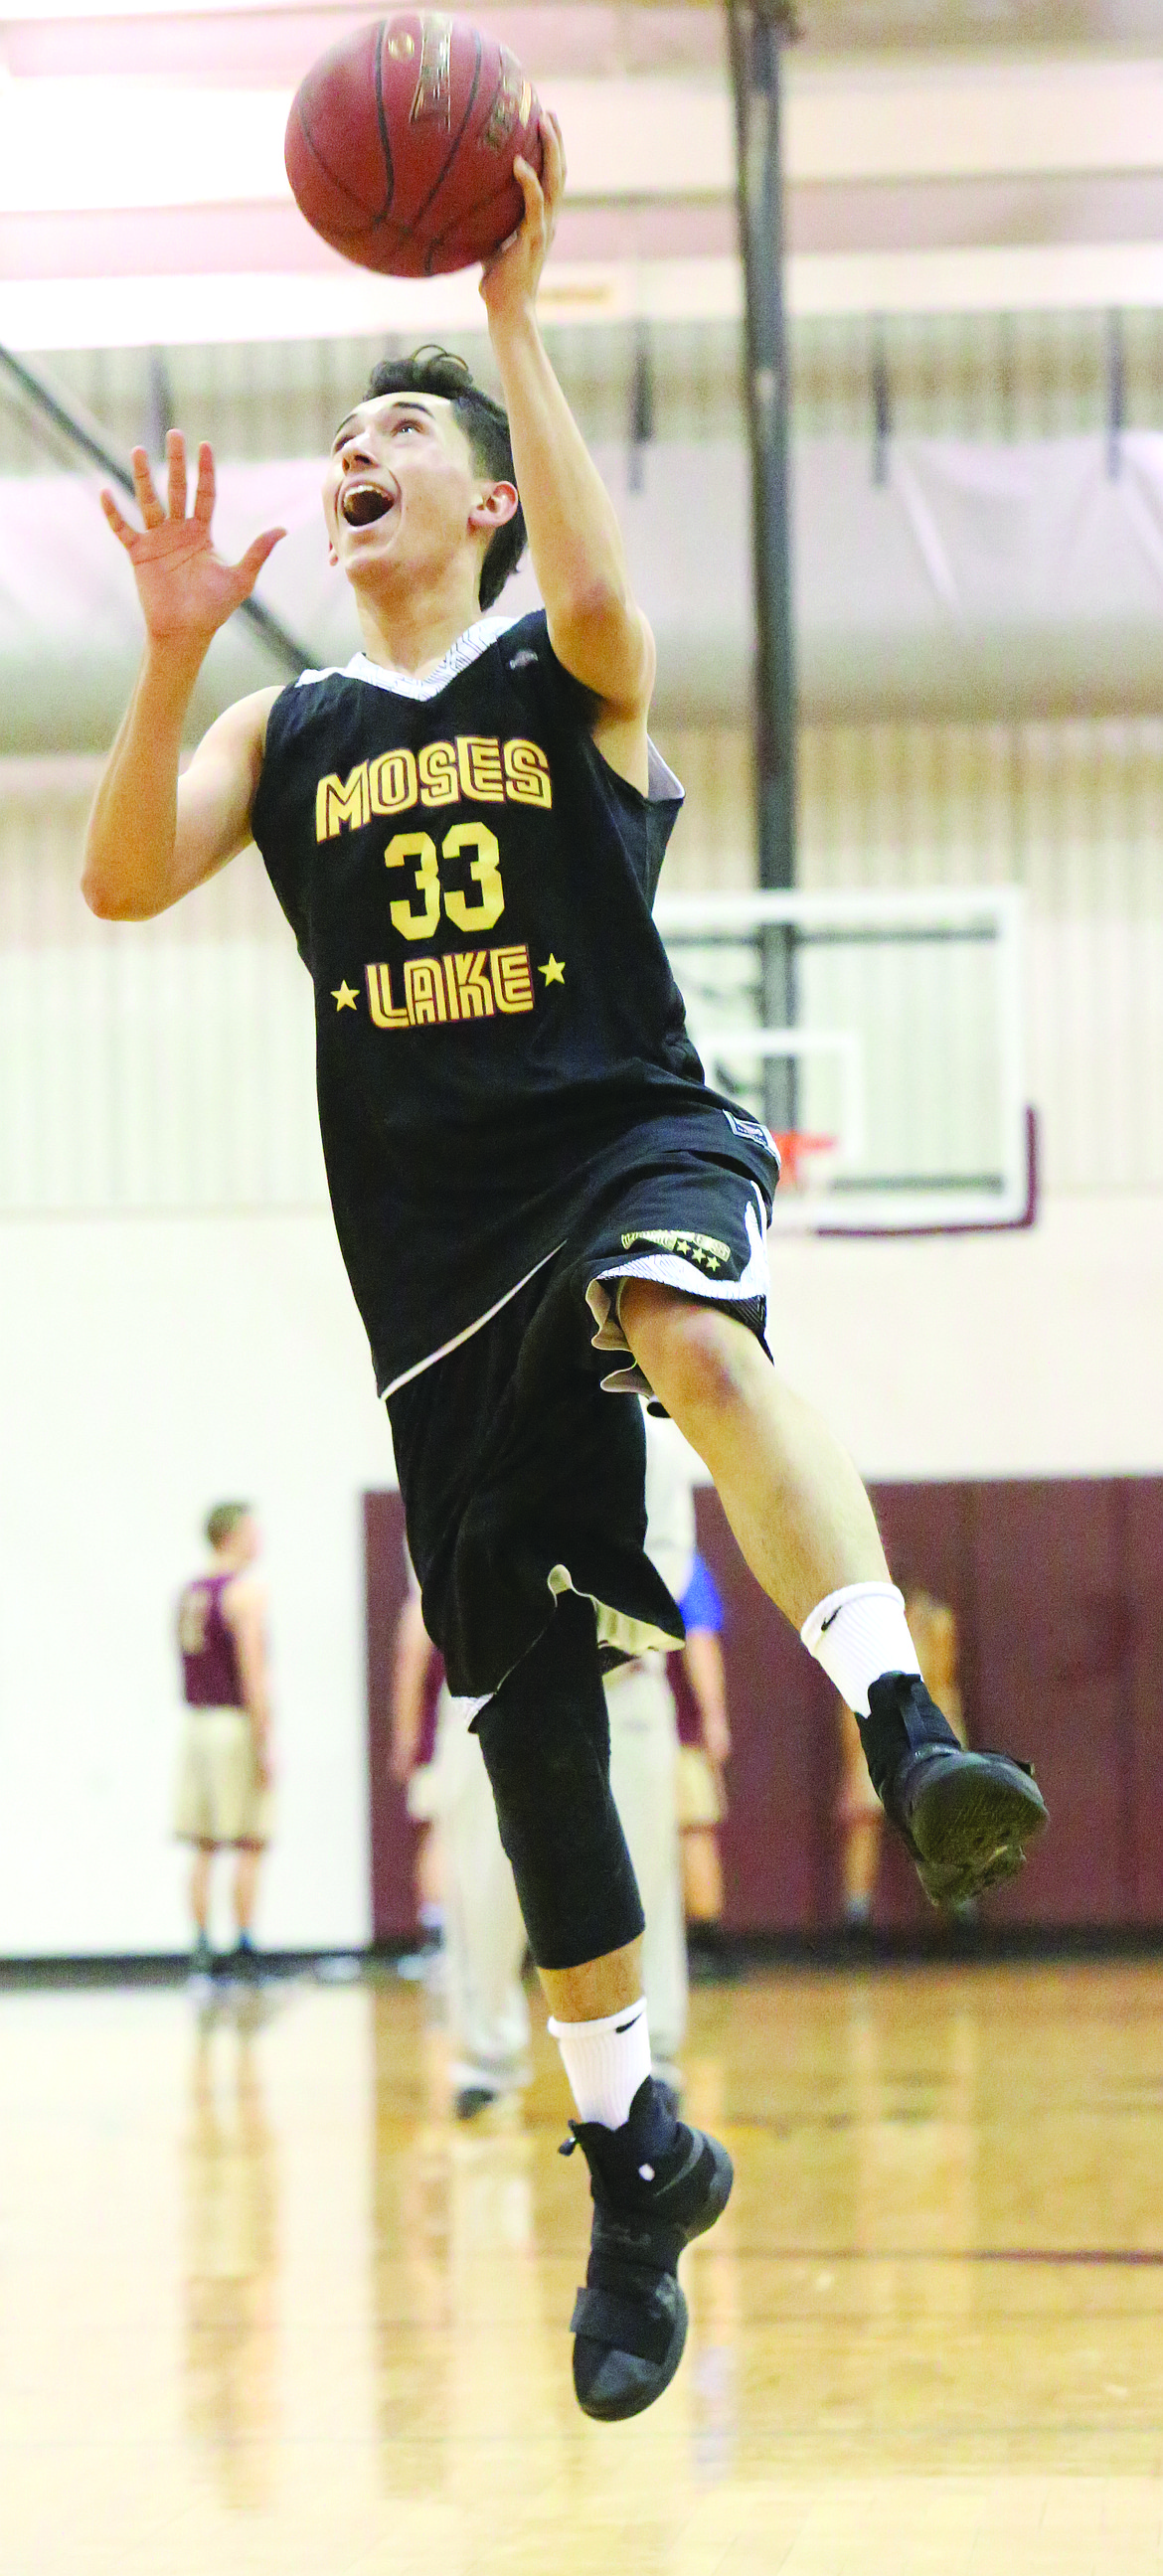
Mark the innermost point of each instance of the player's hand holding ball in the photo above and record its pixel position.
(411, 145)
(512, 276)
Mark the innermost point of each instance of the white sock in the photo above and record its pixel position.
(606, 2061)
(857, 1634)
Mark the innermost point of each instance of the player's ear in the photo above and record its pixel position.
(499, 504)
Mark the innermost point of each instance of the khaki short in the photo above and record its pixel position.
(700, 1797)
(423, 1794)
(220, 1798)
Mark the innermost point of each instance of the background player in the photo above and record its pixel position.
(700, 1681)
(521, 1147)
(485, 1943)
(224, 1777)
(416, 1680)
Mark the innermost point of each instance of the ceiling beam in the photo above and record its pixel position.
(83, 145)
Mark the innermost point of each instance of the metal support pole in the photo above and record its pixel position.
(161, 402)
(1116, 394)
(86, 438)
(758, 31)
(881, 407)
(641, 409)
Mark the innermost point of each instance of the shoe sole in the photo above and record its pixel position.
(618, 2407)
(968, 1828)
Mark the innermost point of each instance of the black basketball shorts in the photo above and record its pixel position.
(522, 1474)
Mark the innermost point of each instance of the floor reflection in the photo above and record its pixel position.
(269, 2311)
(232, 2248)
(461, 2338)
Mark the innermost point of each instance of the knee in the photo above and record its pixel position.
(699, 1361)
(545, 1740)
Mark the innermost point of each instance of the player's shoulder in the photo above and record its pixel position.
(243, 1597)
(535, 671)
(238, 735)
(523, 643)
(260, 706)
(296, 706)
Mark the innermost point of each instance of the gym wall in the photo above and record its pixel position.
(1054, 1584)
(177, 1323)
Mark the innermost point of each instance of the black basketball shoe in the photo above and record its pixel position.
(472, 2099)
(655, 2185)
(966, 1817)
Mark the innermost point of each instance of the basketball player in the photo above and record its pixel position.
(223, 1796)
(531, 1182)
(488, 2018)
(704, 1752)
(413, 1765)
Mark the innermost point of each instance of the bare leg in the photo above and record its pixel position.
(702, 1874)
(806, 1528)
(790, 1492)
(860, 1823)
(861, 1835)
(200, 1888)
(246, 1885)
(599, 1987)
(429, 1871)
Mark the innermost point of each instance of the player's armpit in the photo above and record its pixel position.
(217, 790)
(618, 723)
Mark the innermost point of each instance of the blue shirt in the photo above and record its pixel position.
(701, 1605)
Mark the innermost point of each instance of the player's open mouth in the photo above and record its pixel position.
(363, 503)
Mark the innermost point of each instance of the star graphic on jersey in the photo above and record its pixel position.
(343, 997)
(554, 972)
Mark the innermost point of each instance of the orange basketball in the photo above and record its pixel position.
(401, 141)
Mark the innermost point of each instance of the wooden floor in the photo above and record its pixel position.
(263, 2307)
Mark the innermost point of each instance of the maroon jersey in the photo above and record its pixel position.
(209, 1654)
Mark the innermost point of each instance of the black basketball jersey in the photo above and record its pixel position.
(470, 885)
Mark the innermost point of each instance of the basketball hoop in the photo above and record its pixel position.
(796, 1151)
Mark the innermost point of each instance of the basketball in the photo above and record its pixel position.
(401, 141)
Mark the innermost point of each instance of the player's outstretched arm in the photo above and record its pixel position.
(595, 626)
(148, 840)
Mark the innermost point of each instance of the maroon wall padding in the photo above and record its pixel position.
(1144, 1617)
(1057, 1588)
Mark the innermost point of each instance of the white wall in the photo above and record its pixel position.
(1023, 1354)
(148, 1368)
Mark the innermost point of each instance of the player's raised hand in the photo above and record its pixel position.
(186, 589)
(511, 278)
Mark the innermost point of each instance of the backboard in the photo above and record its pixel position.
(901, 1100)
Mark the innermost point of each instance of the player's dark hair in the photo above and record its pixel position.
(221, 1523)
(436, 371)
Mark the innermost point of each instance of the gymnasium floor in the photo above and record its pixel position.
(264, 2308)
